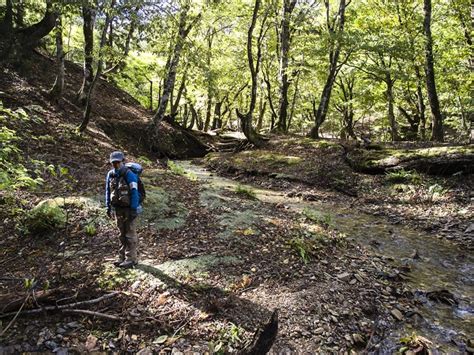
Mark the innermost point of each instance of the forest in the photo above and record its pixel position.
(308, 169)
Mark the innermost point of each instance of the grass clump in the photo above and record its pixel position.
(179, 170)
(176, 169)
(245, 191)
(302, 247)
(90, 229)
(323, 219)
(403, 176)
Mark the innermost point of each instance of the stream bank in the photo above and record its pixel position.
(428, 265)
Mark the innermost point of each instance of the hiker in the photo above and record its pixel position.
(122, 198)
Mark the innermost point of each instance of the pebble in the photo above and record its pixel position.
(51, 345)
(397, 314)
(318, 331)
(345, 276)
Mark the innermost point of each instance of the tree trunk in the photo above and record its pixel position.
(217, 116)
(421, 104)
(88, 14)
(58, 86)
(285, 40)
(182, 87)
(437, 119)
(16, 44)
(209, 79)
(270, 102)
(120, 65)
(246, 118)
(6, 26)
(151, 94)
(261, 113)
(335, 27)
(390, 111)
(293, 102)
(20, 14)
(193, 116)
(183, 31)
(321, 112)
(100, 63)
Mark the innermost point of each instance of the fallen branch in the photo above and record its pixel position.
(65, 306)
(91, 313)
(15, 317)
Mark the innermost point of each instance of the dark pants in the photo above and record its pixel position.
(128, 234)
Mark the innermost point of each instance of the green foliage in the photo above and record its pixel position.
(13, 172)
(90, 229)
(28, 283)
(229, 338)
(435, 191)
(302, 247)
(403, 176)
(111, 277)
(245, 191)
(45, 218)
(176, 169)
(323, 219)
(144, 160)
(179, 170)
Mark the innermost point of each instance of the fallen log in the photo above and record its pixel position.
(442, 161)
(11, 303)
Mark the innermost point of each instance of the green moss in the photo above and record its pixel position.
(403, 176)
(162, 211)
(112, 277)
(245, 191)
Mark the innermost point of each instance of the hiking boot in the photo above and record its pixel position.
(118, 262)
(127, 264)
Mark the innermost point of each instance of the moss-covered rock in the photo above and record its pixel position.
(45, 218)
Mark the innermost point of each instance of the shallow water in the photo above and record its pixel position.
(440, 266)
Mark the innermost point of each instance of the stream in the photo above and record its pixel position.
(438, 264)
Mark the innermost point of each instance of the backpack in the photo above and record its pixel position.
(137, 170)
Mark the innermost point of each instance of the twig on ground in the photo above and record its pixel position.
(67, 298)
(183, 324)
(65, 306)
(91, 313)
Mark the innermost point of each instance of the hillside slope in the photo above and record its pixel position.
(115, 113)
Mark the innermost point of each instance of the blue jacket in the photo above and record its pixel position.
(132, 181)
